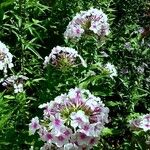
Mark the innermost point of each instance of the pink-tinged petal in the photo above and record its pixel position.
(75, 94)
(147, 126)
(60, 140)
(96, 129)
(45, 135)
(56, 121)
(78, 118)
(78, 31)
(64, 131)
(82, 139)
(93, 141)
(82, 136)
(70, 146)
(46, 146)
(145, 122)
(34, 125)
(67, 132)
(134, 124)
(97, 110)
(147, 117)
(48, 137)
(49, 111)
(86, 129)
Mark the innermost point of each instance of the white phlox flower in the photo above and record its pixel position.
(34, 125)
(15, 81)
(62, 57)
(71, 121)
(111, 69)
(93, 19)
(143, 122)
(5, 58)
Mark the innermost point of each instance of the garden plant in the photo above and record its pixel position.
(74, 75)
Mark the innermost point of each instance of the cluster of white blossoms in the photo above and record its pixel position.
(93, 19)
(143, 122)
(72, 121)
(15, 81)
(111, 69)
(63, 57)
(5, 58)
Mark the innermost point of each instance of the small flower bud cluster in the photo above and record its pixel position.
(5, 58)
(63, 57)
(143, 122)
(111, 69)
(71, 121)
(93, 19)
(14, 81)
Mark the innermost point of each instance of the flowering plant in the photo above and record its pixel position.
(143, 122)
(63, 57)
(111, 69)
(93, 19)
(71, 121)
(5, 58)
(15, 81)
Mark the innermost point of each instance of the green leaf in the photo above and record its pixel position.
(6, 3)
(107, 131)
(39, 79)
(111, 103)
(4, 119)
(9, 97)
(92, 79)
(1, 14)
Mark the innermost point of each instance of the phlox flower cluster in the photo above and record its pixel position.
(72, 121)
(5, 58)
(143, 122)
(15, 81)
(93, 19)
(111, 69)
(62, 57)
